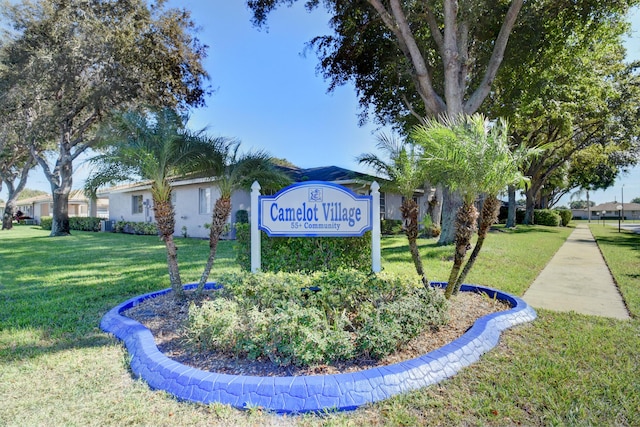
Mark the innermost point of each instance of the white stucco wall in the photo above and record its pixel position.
(186, 204)
(187, 207)
(120, 208)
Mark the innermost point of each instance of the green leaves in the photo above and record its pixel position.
(468, 154)
(295, 319)
(400, 164)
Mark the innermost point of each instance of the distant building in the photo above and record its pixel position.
(628, 211)
(79, 206)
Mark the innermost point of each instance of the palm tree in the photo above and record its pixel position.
(238, 171)
(502, 170)
(402, 168)
(469, 155)
(155, 146)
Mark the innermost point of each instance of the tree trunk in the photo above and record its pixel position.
(93, 207)
(9, 209)
(165, 218)
(489, 216)
(221, 213)
(409, 210)
(14, 191)
(529, 218)
(451, 204)
(466, 225)
(60, 189)
(436, 209)
(7, 217)
(511, 213)
(60, 214)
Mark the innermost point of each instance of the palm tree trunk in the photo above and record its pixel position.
(465, 227)
(489, 216)
(221, 213)
(165, 217)
(409, 210)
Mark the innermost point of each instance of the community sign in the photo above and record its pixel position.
(314, 209)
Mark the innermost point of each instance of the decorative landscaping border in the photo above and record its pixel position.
(310, 393)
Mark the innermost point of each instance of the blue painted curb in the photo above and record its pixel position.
(310, 393)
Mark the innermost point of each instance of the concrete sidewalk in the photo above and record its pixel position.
(577, 279)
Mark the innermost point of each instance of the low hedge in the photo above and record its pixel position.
(75, 223)
(305, 254)
(504, 213)
(130, 227)
(546, 217)
(302, 320)
(46, 222)
(391, 226)
(565, 216)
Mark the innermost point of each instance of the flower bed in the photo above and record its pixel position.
(310, 393)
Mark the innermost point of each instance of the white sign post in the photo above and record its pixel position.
(315, 209)
(376, 266)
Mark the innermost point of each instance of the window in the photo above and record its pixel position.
(136, 204)
(383, 206)
(205, 203)
(174, 198)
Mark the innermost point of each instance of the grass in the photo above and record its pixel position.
(58, 368)
(622, 252)
(505, 261)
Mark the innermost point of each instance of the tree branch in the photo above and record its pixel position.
(479, 95)
(435, 30)
(451, 60)
(53, 179)
(397, 22)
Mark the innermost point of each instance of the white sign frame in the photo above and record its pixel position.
(315, 209)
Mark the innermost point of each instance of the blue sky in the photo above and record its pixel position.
(269, 95)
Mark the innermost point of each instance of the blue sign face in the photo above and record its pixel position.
(314, 209)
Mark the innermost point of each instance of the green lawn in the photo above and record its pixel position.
(58, 368)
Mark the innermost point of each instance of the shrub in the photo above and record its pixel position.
(46, 222)
(130, 227)
(565, 216)
(85, 223)
(75, 223)
(429, 229)
(546, 217)
(215, 322)
(242, 217)
(294, 319)
(391, 226)
(305, 254)
(504, 212)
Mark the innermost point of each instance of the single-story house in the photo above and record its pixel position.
(610, 210)
(193, 199)
(79, 206)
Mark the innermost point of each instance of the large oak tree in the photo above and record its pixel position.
(576, 96)
(84, 59)
(413, 59)
(410, 60)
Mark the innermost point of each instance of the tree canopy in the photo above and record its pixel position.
(577, 98)
(79, 60)
(410, 60)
